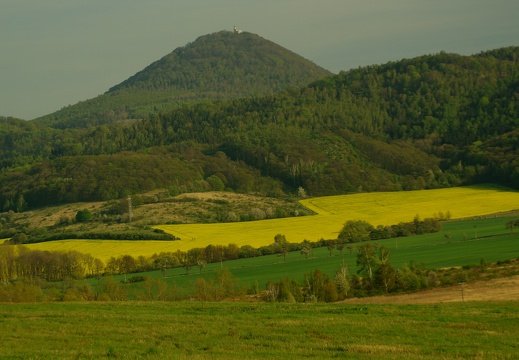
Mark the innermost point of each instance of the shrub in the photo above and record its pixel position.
(20, 292)
(321, 286)
(257, 214)
(135, 279)
(83, 216)
(215, 183)
(19, 238)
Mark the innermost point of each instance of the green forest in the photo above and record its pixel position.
(434, 121)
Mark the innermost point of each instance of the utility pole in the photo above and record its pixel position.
(130, 212)
(462, 291)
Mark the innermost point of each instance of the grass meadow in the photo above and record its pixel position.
(187, 330)
(332, 212)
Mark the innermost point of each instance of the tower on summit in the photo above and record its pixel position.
(236, 30)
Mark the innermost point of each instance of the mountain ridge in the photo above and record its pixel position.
(220, 65)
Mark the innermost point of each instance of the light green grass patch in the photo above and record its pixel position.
(160, 330)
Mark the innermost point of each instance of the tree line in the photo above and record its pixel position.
(374, 275)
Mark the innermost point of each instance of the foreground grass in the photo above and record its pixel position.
(333, 212)
(259, 331)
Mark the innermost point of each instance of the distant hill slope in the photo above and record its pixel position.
(221, 65)
(433, 121)
(226, 64)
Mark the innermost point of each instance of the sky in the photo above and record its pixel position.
(55, 53)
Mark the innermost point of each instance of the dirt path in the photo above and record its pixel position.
(503, 289)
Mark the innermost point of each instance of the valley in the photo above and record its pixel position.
(234, 200)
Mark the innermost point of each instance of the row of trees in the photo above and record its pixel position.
(374, 275)
(107, 289)
(21, 264)
(359, 230)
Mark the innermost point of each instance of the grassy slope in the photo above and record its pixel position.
(376, 208)
(187, 208)
(259, 331)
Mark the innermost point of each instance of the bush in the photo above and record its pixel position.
(215, 183)
(321, 286)
(135, 279)
(19, 238)
(83, 216)
(20, 292)
(290, 291)
(355, 231)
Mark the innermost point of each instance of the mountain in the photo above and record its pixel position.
(433, 121)
(226, 65)
(221, 65)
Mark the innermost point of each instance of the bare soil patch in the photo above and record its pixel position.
(502, 289)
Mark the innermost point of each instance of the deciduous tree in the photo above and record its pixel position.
(355, 231)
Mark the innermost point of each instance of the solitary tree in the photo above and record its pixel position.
(510, 225)
(280, 239)
(201, 290)
(305, 250)
(331, 246)
(83, 215)
(367, 261)
(385, 274)
(283, 252)
(186, 260)
(281, 245)
(321, 287)
(20, 204)
(126, 264)
(342, 281)
(201, 264)
(19, 238)
(162, 263)
(355, 231)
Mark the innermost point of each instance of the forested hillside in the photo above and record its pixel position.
(221, 65)
(433, 121)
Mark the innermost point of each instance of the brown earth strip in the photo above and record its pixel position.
(502, 289)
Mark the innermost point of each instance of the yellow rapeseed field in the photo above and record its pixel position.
(332, 212)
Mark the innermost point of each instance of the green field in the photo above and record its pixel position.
(158, 330)
(332, 213)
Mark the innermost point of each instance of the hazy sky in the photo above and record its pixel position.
(54, 53)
